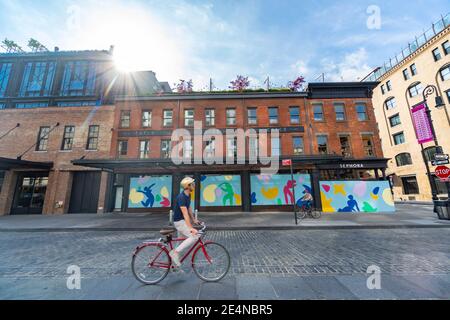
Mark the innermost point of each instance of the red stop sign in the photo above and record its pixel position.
(443, 172)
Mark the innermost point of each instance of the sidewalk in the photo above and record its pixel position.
(407, 216)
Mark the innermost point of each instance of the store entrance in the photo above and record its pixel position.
(30, 193)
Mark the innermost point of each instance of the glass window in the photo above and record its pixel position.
(367, 141)
(251, 116)
(37, 79)
(318, 112)
(383, 90)
(345, 146)
(210, 117)
(294, 113)
(322, 142)
(275, 146)
(394, 120)
(69, 134)
(361, 109)
(42, 142)
(391, 104)
(167, 118)
(146, 118)
(231, 117)
(406, 74)
(430, 153)
(446, 47)
(187, 149)
(413, 69)
(440, 186)
(210, 148)
(2, 106)
(415, 90)
(445, 73)
(253, 147)
(448, 95)
(76, 103)
(79, 78)
(410, 185)
(403, 159)
(389, 85)
(2, 178)
(437, 54)
(232, 147)
(399, 138)
(122, 149)
(125, 118)
(189, 118)
(165, 148)
(273, 115)
(31, 105)
(92, 142)
(297, 144)
(340, 111)
(144, 149)
(5, 72)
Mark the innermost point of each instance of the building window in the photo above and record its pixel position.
(2, 178)
(339, 108)
(232, 147)
(297, 144)
(167, 118)
(122, 149)
(146, 119)
(390, 104)
(345, 146)
(79, 78)
(399, 138)
(448, 95)
(273, 115)
(69, 134)
(165, 149)
(31, 105)
(2, 106)
(403, 159)
(92, 142)
(42, 142)
(251, 116)
(394, 120)
(410, 185)
(440, 186)
(5, 72)
(294, 113)
(318, 112)
(188, 118)
(446, 47)
(429, 153)
(415, 90)
(361, 110)
(144, 149)
(187, 149)
(125, 118)
(37, 79)
(322, 142)
(437, 54)
(231, 117)
(253, 147)
(275, 146)
(210, 117)
(367, 141)
(210, 148)
(383, 90)
(406, 74)
(389, 85)
(77, 103)
(445, 73)
(413, 69)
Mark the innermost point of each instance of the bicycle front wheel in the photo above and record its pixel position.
(211, 262)
(151, 264)
(316, 214)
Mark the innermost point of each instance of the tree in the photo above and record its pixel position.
(10, 46)
(297, 84)
(184, 86)
(240, 84)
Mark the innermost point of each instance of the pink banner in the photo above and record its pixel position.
(422, 124)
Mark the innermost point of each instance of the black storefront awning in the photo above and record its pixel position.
(8, 164)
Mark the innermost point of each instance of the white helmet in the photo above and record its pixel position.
(186, 182)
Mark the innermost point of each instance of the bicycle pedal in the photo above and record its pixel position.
(177, 270)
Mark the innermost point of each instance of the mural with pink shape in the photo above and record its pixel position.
(356, 196)
(150, 192)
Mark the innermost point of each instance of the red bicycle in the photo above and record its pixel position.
(151, 261)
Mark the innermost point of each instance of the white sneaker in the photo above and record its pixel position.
(175, 258)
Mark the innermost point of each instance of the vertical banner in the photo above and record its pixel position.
(422, 124)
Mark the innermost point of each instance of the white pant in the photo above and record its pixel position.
(184, 231)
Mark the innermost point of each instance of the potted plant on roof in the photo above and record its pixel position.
(297, 84)
(184, 86)
(240, 83)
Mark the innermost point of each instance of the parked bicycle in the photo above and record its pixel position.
(306, 210)
(151, 261)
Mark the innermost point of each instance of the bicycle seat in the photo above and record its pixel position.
(167, 231)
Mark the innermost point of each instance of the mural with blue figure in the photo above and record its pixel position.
(220, 191)
(150, 192)
(276, 189)
(356, 196)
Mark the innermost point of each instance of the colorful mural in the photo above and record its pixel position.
(356, 196)
(220, 190)
(150, 192)
(277, 189)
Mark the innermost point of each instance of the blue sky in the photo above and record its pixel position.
(182, 39)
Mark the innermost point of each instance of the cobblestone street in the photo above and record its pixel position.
(265, 264)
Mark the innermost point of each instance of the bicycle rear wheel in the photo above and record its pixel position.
(151, 264)
(302, 213)
(316, 214)
(212, 262)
